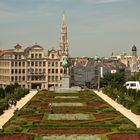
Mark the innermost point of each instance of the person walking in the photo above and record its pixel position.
(50, 109)
(15, 104)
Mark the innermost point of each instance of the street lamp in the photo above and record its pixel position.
(98, 76)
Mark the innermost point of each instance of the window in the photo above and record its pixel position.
(56, 71)
(19, 70)
(56, 64)
(15, 56)
(36, 70)
(56, 78)
(40, 55)
(133, 84)
(19, 56)
(32, 63)
(32, 55)
(52, 78)
(23, 64)
(61, 70)
(52, 55)
(52, 70)
(12, 78)
(23, 71)
(15, 64)
(15, 78)
(28, 63)
(52, 64)
(36, 63)
(60, 63)
(36, 55)
(44, 64)
(40, 64)
(49, 78)
(15, 71)
(12, 64)
(40, 70)
(23, 78)
(44, 70)
(49, 70)
(49, 63)
(19, 64)
(12, 71)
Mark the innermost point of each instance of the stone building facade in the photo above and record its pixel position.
(31, 67)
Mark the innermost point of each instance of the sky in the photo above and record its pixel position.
(95, 27)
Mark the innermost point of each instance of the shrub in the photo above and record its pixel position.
(136, 109)
(26, 111)
(127, 127)
(1, 110)
(119, 120)
(13, 128)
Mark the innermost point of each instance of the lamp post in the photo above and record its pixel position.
(98, 76)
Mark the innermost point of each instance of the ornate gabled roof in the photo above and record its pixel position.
(18, 46)
(26, 51)
(36, 46)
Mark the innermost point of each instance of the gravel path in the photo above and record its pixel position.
(10, 112)
(127, 113)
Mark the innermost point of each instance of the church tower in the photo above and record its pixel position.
(63, 38)
(134, 51)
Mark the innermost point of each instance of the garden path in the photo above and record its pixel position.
(10, 112)
(126, 112)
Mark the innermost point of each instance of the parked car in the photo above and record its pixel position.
(132, 85)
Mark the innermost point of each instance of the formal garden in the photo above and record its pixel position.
(74, 116)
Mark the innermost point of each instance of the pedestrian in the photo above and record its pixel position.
(10, 102)
(15, 103)
(51, 109)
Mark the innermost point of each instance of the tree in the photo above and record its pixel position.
(2, 93)
(115, 80)
(135, 77)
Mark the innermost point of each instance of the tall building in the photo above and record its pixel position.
(63, 38)
(31, 67)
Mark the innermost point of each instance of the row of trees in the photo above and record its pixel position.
(113, 86)
(14, 92)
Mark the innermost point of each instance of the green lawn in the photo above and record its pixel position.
(79, 115)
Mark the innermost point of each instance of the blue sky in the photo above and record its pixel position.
(95, 27)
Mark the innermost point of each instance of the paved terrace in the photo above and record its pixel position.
(127, 113)
(10, 112)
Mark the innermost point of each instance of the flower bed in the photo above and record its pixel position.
(78, 116)
(70, 131)
(33, 117)
(58, 97)
(124, 137)
(67, 104)
(71, 137)
(39, 104)
(16, 137)
(95, 104)
(100, 117)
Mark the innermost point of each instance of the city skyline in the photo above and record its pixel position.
(95, 27)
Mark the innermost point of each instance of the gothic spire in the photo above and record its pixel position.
(63, 37)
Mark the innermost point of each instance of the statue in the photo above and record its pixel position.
(65, 64)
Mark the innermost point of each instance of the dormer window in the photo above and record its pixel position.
(52, 55)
